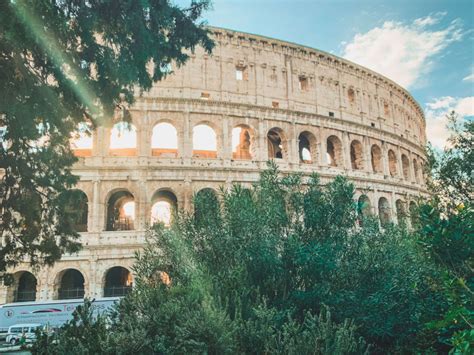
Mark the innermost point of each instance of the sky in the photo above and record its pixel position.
(427, 46)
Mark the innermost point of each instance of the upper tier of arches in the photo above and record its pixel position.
(311, 146)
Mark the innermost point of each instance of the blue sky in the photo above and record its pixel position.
(426, 46)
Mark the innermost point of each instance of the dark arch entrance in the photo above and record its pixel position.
(26, 290)
(71, 285)
(118, 282)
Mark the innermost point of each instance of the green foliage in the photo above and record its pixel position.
(65, 63)
(445, 230)
(284, 267)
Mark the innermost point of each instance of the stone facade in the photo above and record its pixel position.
(285, 98)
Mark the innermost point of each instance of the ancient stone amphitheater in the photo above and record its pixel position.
(216, 121)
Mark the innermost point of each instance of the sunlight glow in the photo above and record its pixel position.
(123, 135)
(164, 136)
(306, 154)
(161, 212)
(129, 209)
(204, 138)
(236, 138)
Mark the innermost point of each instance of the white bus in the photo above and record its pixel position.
(50, 313)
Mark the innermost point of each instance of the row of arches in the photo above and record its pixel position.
(164, 143)
(70, 284)
(121, 214)
(404, 212)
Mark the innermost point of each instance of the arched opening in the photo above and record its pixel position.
(392, 163)
(81, 140)
(334, 151)
(416, 171)
(204, 142)
(364, 207)
(206, 206)
(276, 144)
(401, 211)
(242, 147)
(118, 282)
(164, 207)
(25, 287)
(376, 158)
(405, 167)
(71, 285)
(307, 147)
(357, 155)
(120, 211)
(76, 209)
(164, 140)
(123, 139)
(384, 211)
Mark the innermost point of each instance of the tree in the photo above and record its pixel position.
(445, 229)
(282, 267)
(66, 65)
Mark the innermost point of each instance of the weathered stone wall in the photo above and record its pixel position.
(286, 86)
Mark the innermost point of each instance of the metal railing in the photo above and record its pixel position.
(117, 291)
(70, 293)
(24, 296)
(121, 224)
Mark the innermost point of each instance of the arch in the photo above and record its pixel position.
(384, 211)
(164, 206)
(405, 167)
(277, 144)
(81, 140)
(123, 139)
(243, 147)
(71, 284)
(364, 207)
(164, 140)
(392, 163)
(357, 155)
(334, 151)
(118, 282)
(416, 171)
(120, 211)
(376, 158)
(401, 211)
(25, 287)
(204, 141)
(307, 147)
(76, 209)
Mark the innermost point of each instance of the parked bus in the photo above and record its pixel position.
(51, 313)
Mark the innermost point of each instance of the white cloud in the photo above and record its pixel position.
(470, 77)
(402, 52)
(436, 119)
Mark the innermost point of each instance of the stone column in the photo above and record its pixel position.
(346, 151)
(367, 155)
(94, 211)
(399, 163)
(225, 150)
(262, 141)
(141, 205)
(294, 145)
(386, 170)
(187, 138)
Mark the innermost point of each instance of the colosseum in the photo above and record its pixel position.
(217, 121)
